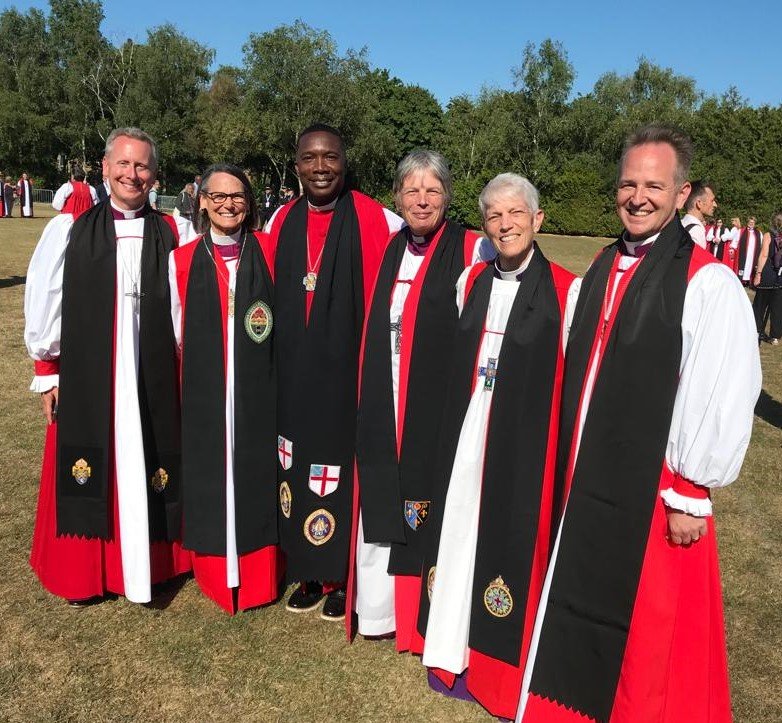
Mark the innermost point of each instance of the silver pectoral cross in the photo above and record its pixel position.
(136, 296)
(396, 327)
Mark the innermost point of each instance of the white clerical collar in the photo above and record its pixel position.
(513, 275)
(221, 240)
(129, 215)
(325, 207)
(633, 245)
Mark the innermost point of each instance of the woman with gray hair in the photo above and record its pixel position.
(407, 346)
(495, 500)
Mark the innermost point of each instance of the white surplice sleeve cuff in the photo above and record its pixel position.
(719, 382)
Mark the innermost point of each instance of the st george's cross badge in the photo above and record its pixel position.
(324, 479)
(285, 452)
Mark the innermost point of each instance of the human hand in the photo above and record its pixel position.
(49, 401)
(684, 529)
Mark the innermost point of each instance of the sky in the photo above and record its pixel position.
(458, 47)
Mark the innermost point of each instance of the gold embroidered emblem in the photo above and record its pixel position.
(285, 499)
(430, 582)
(159, 480)
(497, 598)
(81, 471)
(258, 322)
(319, 527)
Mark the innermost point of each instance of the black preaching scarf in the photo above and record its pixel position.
(386, 480)
(203, 407)
(84, 418)
(617, 473)
(318, 382)
(516, 449)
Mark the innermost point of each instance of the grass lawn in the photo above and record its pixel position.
(182, 659)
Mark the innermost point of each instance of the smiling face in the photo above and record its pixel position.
(227, 217)
(648, 196)
(511, 226)
(130, 170)
(320, 164)
(421, 201)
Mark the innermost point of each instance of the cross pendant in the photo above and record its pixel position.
(135, 295)
(396, 327)
(489, 372)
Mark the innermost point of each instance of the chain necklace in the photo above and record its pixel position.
(134, 294)
(231, 292)
(311, 278)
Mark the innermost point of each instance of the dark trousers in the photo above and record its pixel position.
(768, 302)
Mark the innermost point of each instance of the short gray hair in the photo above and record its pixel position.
(509, 184)
(422, 159)
(135, 133)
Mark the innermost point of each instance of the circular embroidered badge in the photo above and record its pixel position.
(319, 527)
(285, 500)
(81, 471)
(497, 598)
(258, 322)
(159, 480)
(430, 583)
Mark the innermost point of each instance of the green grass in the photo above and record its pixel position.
(191, 662)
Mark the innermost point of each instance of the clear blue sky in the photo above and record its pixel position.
(456, 47)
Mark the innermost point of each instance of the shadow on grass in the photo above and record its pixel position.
(163, 594)
(10, 281)
(769, 409)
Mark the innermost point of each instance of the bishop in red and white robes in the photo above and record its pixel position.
(661, 379)
(74, 197)
(98, 326)
(408, 345)
(223, 312)
(24, 191)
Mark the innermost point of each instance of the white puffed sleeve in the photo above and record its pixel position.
(176, 302)
(461, 286)
(43, 298)
(570, 310)
(186, 231)
(483, 250)
(61, 196)
(719, 383)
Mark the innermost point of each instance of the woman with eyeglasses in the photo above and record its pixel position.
(223, 312)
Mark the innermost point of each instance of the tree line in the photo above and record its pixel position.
(66, 86)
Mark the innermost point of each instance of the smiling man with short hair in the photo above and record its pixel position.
(329, 246)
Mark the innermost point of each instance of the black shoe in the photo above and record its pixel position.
(334, 607)
(85, 603)
(305, 597)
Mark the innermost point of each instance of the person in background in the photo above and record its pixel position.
(768, 283)
(75, 196)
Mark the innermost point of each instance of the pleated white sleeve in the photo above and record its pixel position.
(719, 383)
(570, 310)
(43, 298)
(61, 196)
(186, 231)
(176, 302)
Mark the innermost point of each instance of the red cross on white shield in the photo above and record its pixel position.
(324, 479)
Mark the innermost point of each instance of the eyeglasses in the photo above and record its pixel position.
(218, 198)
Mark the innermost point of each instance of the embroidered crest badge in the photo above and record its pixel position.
(285, 452)
(159, 480)
(430, 582)
(81, 471)
(416, 512)
(285, 500)
(324, 479)
(497, 598)
(319, 527)
(258, 322)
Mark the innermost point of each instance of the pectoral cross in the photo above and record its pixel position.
(396, 327)
(136, 296)
(490, 374)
